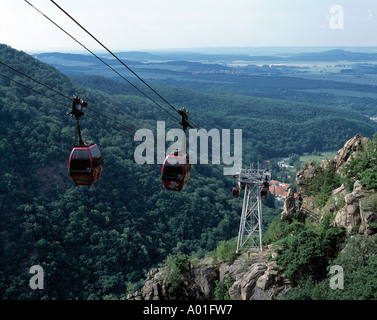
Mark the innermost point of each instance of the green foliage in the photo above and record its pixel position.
(281, 228)
(362, 167)
(370, 203)
(359, 261)
(302, 255)
(293, 159)
(226, 251)
(303, 292)
(357, 252)
(99, 241)
(322, 184)
(307, 126)
(222, 288)
(305, 253)
(177, 264)
(369, 178)
(308, 262)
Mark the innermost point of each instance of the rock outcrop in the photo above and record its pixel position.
(200, 284)
(254, 279)
(308, 171)
(261, 281)
(353, 146)
(359, 212)
(303, 178)
(354, 210)
(289, 204)
(197, 284)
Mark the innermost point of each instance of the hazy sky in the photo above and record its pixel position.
(161, 24)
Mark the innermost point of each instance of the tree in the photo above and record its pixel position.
(293, 158)
(176, 265)
(226, 251)
(305, 254)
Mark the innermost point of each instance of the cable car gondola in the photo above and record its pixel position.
(86, 161)
(263, 192)
(264, 189)
(85, 164)
(236, 188)
(236, 191)
(175, 171)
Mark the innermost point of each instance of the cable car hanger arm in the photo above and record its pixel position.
(184, 123)
(77, 113)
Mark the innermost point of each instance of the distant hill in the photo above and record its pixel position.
(256, 77)
(62, 58)
(334, 56)
(137, 58)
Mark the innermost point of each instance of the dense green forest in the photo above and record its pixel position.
(271, 128)
(284, 82)
(101, 240)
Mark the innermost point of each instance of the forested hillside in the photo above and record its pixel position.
(100, 240)
(271, 128)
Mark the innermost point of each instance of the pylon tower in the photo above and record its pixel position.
(250, 231)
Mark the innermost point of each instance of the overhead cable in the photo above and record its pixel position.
(119, 60)
(100, 59)
(57, 92)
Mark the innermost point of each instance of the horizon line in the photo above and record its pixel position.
(192, 49)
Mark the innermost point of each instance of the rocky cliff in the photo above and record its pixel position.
(309, 170)
(353, 210)
(254, 277)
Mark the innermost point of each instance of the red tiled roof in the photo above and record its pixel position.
(280, 190)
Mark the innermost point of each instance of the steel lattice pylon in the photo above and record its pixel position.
(250, 231)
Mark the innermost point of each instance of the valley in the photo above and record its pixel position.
(106, 237)
(337, 77)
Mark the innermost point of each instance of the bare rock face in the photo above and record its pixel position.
(308, 171)
(153, 289)
(255, 279)
(368, 215)
(359, 212)
(351, 147)
(356, 210)
(289, 204)
(243, 288)
(197, 284)
(200, 282)
(303, 178)
(349, 215)
(261, 281)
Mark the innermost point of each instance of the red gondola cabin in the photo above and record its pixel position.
(263, 193)
(175, 171)
(236, 192)
(85, 164)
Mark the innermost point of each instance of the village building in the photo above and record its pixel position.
(280, 191)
